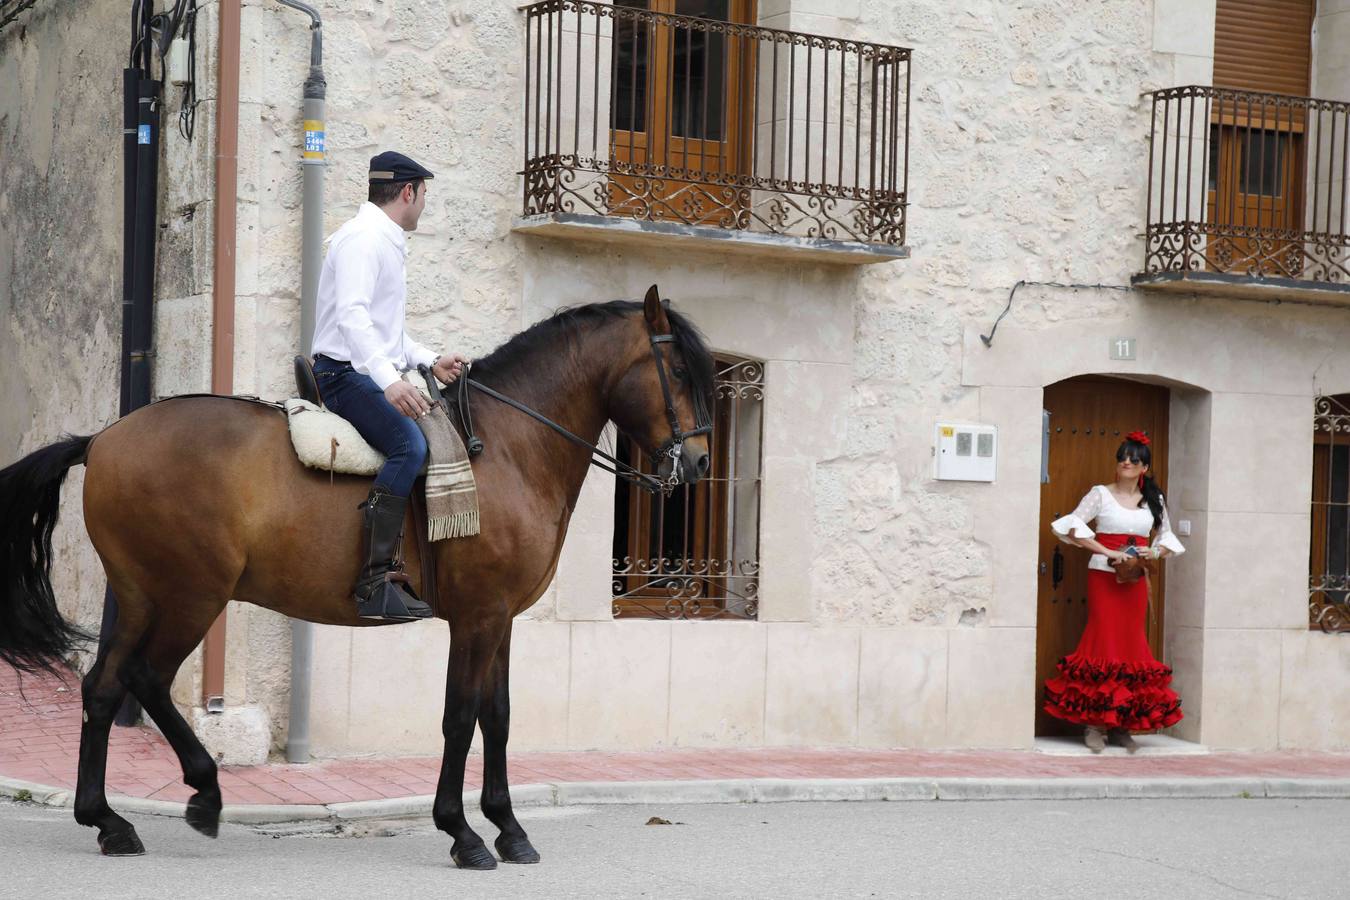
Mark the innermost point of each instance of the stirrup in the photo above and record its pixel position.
(387, 597)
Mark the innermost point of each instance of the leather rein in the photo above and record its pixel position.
(671, 449)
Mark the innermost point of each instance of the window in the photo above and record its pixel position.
(695, 554)
(679, 110)
(1255, 156)
(1329, 556)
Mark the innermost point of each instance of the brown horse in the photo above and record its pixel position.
(193, 501)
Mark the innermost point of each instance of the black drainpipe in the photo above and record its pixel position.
(140, 194)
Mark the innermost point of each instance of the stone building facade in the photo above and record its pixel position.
(893, 609)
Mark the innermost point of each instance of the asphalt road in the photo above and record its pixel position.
(1114, 849)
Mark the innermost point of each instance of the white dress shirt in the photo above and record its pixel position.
(363, 293)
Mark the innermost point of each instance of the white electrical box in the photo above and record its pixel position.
(965, 452)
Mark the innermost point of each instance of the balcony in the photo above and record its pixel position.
(1247, 195)
(644, 126)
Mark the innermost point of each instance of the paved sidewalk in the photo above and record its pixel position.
(39, 743)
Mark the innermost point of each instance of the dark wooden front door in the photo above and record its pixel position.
(1089, 417)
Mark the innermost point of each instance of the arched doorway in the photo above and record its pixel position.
(1087, 419)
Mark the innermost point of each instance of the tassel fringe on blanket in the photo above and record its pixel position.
(452, 495)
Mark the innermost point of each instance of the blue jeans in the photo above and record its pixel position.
(359, 400)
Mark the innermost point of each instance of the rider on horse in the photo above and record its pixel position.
(360, 346)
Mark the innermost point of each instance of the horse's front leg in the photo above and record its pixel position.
(471, 656)
(494, 717)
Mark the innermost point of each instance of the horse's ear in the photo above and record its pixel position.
(655, 312)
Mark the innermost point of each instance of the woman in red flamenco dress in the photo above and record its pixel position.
(1111, 684)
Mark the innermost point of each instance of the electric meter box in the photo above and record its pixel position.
(965, 452)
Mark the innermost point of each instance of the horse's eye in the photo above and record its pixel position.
(681, 374)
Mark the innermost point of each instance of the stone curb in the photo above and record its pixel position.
(745, 790)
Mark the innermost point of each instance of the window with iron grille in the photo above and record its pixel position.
(1329, 555)
(695, 553)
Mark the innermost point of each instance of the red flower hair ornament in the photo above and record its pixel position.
(1138, 437)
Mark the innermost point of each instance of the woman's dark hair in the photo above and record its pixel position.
(1153, 496)
(382, 193)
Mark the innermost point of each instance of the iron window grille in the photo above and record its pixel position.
(695, 554)
(1329, 556)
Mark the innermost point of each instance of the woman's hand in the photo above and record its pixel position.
(1116, 556)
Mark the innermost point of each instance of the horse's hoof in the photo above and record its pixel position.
(204, 815)
(120, 843)
(516, 850)
(476, 856)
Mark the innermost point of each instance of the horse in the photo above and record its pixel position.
(193, 501)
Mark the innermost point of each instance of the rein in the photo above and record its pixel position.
(671, 449)
(618, 467)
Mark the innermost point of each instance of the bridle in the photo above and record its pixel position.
(672, 448)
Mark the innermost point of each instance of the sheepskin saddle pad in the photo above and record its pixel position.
(330, 443)
(324, 440)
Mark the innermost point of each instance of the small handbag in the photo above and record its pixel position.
(1133, 567)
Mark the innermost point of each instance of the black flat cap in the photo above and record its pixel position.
(390, 168)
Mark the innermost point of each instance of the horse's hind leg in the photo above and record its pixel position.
(149, 676)
(494, 718)
(102, 693)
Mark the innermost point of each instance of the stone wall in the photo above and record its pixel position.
(61, 252)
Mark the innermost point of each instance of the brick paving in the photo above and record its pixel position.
(40, 734)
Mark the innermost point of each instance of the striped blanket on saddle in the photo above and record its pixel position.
(452, 496)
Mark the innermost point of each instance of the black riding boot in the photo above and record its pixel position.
(383, 591)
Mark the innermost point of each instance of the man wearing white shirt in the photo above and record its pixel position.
(360, 347)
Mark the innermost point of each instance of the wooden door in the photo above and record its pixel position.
(681, 111)
(1089, 417)
(1256, 172)
(1256, 144)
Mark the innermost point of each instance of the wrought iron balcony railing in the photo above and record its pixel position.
(642, 114)
(1248, 184)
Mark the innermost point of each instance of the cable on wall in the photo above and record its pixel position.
(988, 339)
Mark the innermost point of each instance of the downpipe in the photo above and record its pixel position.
(311, 261)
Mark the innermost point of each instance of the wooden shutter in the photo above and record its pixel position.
(1263, 45)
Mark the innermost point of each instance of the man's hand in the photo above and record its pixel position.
(449, 367)
(407, 399)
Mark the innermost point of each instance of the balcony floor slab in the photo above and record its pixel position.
(665, 235)
(1245, 287)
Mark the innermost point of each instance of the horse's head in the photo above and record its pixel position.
(662, 398)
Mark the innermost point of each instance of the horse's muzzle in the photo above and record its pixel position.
(694, 464)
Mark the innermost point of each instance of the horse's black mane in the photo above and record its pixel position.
(551, 333)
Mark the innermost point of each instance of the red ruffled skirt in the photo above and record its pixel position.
(1112, 679)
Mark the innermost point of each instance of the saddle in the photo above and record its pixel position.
(326, 441)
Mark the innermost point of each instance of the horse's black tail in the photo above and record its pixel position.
(33, 634)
